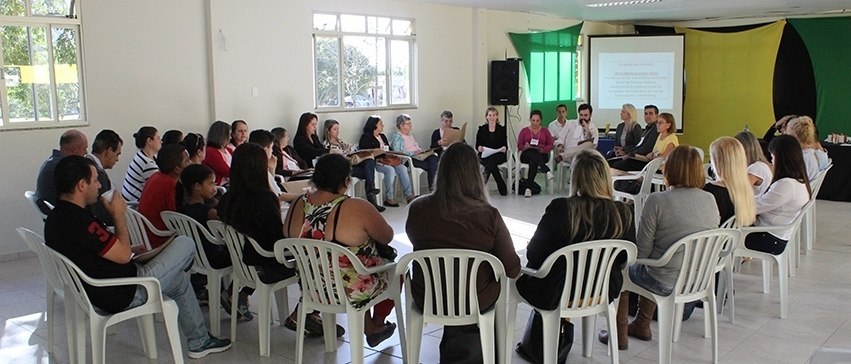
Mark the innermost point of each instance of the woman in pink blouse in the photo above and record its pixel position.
(535, 143)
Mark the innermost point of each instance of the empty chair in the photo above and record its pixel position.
(326, 293)
(246, 276)
(588, 266)
(450, 298)
(185, 225)
(75, 294)
(701, 253)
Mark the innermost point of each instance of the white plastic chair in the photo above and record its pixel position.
(563, 175)
(809, 227)
(138, 226)
(589, 265)
(415, 172)
(508, 168)
(246, 276)
(646, 174)
(782, 259)
(440, 268)
(701, 254)
(33, 199)
(326, 293)
(75, 294)
(54, 283)
(379, 184)
(186, 225)
(831, 356)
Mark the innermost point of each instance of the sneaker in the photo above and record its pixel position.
(242, 308)
(203, 296)
(213, 345)
(528, 193)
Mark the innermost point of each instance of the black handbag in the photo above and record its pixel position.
(531, 348)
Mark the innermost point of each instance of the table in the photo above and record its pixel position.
(604, 145)
(837, 183)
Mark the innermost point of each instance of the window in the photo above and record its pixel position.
(363, 61)
(42, 74)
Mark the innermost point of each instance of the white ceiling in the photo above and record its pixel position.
(666, 10)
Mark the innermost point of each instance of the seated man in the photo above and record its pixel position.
(158, 193)
(83, 239)
(105, 152)
(72, 142)
(577, 135)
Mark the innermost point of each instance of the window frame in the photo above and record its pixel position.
(338, 34)
(71, 21)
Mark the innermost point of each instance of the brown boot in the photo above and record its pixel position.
(640, 327)
(623, 340)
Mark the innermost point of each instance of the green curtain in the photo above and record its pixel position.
(830, 51)
(729, 78)
(549, 59)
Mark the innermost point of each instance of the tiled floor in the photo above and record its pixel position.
(819, 314)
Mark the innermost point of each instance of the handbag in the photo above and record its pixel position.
(390, 160)
(531, 348)
(386, 251)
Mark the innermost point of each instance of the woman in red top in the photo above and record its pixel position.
(535, 144)
(217, 156)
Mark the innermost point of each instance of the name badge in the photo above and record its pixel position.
(534, 142)
(385, 147)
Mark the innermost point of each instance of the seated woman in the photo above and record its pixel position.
(306, 142)
(588, 214)
(492, 135)
(815, 158)
(759, 172)
(668, 216)
(196, 147)
(194, 192)
(142, 166)
(238, 134)
(665, 143)
(404, 142)
(438, 142)
(253, 209)
(786, 196)
(457, 215)
(363, 169)
(391, 167)
(732, 187)
(627, 134)
(328, 214)
(289, 164)
(535, 144)
(217, 156)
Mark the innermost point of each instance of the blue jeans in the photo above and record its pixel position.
(638, 275)
(169, 267)
(389, 180)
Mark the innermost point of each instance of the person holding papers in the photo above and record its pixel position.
(577, 135)
(439, 142)
(665, 143)
(492, 145)
(404, 142)
(535, 144)
(363, 168)
(388, 164)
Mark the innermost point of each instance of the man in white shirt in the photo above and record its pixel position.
(577, 135)
(559, 125)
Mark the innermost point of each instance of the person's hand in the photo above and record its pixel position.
(781, 123)
(503, 149)
(526, 146)
(481, 149)
(650, 156)
(272, 163)
(116, 207)
(619, 153)
(559, 148)
(441, 142)
(336, 151)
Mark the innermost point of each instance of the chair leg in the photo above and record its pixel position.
(170, 314)
(731, 293)
(71, 326)
(510, 323)
(98, 337)
(766, 276)
(550, 321)
(282, 303)
(400, 329)
(329, 329)
(265, 317)
(487, 327)
(783, 279)
(678, 320)
(666, 309)
(355, 321)
(712, 322)
(299, 334)
(214, 287)
(146, 332)
(414, 334)
(233, 299)
(49, 317)
(611, 320)
(589, 326)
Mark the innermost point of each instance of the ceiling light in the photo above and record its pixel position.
(622, 3)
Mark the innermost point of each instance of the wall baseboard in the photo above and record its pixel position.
(16, 256)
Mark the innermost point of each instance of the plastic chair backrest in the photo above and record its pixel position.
(33, 199)
(449, 280)
(647, 174)
(69, 273)
(36, 243)
(235, 241)
(816, 184)
(730, 223)
(702, 253)
(589, 265)
(188, 226)
(137, 226)
(314, 259)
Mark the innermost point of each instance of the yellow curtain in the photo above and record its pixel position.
(729, 82)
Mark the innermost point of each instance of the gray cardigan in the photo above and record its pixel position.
(669, 216)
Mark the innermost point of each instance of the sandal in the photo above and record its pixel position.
(312, 326)
(377, 338)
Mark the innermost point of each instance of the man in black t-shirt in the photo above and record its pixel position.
(75, 233)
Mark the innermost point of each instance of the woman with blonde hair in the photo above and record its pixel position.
(732, 190)
(628, 133)
(803, 129)
(588, 214)
(665, 143)
(759, 169)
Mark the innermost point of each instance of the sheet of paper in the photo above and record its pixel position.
(487, 152)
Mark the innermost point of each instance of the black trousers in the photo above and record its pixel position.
(491, 165)
(536, 160)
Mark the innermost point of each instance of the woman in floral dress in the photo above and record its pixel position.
(328, 214)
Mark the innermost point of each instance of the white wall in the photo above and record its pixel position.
(182, 64)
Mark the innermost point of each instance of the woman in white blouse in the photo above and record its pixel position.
(759, 170)
(786, 196)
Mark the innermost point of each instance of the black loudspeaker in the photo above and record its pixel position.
(504, 82)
